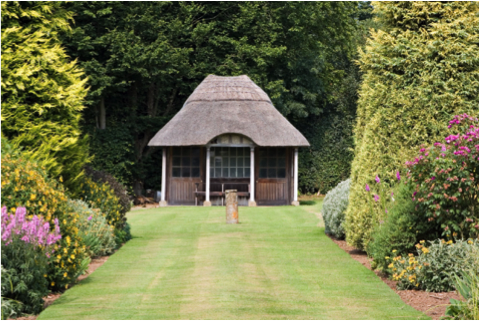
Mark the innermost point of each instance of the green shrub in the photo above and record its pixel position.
(123, 235)
(435, 267)
(10, 308)
(396, 229)
(119, 190)
(101, 196)
(98, 236)
(333, 211)
(410, 90)
(445, 178)
(25, 183)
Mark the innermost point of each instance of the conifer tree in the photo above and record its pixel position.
(42, 90)
(419, 71)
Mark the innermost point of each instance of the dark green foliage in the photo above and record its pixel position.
(396, 231)
(118, 189)
(24, 277)
(123, 235)
(143, 60)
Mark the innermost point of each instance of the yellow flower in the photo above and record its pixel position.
(450, 242)
(425, 250)
(12, 209)
(72, 256)
(470, 242)
(390, 265)
(393, 251)
(52, 284)
(33, 197)
(44, 275)
(387, 257)
(422, 241)
(59, 257)
(65, 274)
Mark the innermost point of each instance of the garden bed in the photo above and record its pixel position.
(432, 304)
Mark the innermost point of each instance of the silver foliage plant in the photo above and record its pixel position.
(334, 206)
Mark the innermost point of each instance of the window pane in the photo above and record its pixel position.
(272, 162)
(177, 151)
(224, 151)
(225, 172)
(281, 162)
(247, 161)
(263, 173)
(272, 173)
(195, 161)
(225, 161)
(176, 172)
(246, 172)
(218, 172)
(239, 151)
(263, 162)
(232, 152)
(212, 153)
(211, 172)
(233, 172)
(196, 152)
(233, 162)
(185, 171)
(240, 172)
(218, 161)
(240, 162)
(263, 152)
(281, 152)
(195, 172)
(185, 161)
(281, 173)
(176, 161)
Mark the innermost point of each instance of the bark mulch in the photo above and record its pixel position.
(431, 303)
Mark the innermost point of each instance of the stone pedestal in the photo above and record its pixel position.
(252, 203)
(207, 203)
(163, 203)
(231, 201)
(295, 203)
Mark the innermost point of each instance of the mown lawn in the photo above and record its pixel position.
(186, 263)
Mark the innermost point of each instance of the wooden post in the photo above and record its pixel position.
(231, 201)
(295, 178)
(207, 180)
(163, 202)
(252, 202)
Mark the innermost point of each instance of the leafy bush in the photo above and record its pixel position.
(333, 211)
(123, 235)
(435, 267)
(43, 90)
(25, 183)
(101, 196)
(10, 308)
(395, 230)
(119, 190)
(445, 177)
(98, 236)
(407, 94)
(27, 246)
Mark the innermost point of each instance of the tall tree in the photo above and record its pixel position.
(419, 71)
(144, 59)
(42, 89)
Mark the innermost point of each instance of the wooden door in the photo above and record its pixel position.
(270, 190)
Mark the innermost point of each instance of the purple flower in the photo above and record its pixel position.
(433, 178)
(377, 179)
(386, 211)
(367, 188)
(376, 197)
(398, 176)
(89, 218)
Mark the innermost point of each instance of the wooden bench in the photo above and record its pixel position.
(220, 193)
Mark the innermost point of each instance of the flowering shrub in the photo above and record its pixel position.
(445, 177)
(333, 211)
(435, 267)
(101, 196)
(24, 183)
(27, 248)
(98, 236)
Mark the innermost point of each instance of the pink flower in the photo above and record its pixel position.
(376, 197)
(398, 176)
(89, 218)
(377, 179)
(367, 188)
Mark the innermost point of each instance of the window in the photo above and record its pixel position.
(186, 162)
(272, 163)
(229, 162)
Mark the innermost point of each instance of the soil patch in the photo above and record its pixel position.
(432, 304)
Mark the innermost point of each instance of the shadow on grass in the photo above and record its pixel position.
(308, 203)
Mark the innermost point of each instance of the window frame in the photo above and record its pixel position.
(223, 163)
(271, 162)
(190, 152)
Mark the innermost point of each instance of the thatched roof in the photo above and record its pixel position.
(221, 105)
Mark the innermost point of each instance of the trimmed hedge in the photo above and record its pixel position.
(333, 211)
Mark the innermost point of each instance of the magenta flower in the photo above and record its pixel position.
(433, 178)
(398, 176)
(89, 218)
(377, 179)
(367, 188)
(376, 197)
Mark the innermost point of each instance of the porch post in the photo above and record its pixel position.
(252, 202)
(163, 203)
(207, 180)
(295, 178)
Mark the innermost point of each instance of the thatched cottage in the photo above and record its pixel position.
(228, 135)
